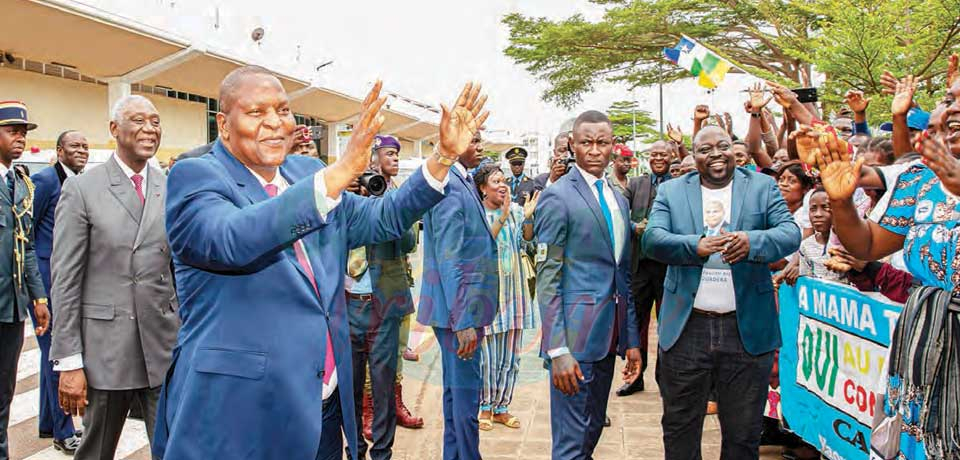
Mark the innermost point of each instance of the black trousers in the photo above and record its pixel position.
(709, 353)
(11, 342)
(105, 416)
(375, 340)
(647, 287)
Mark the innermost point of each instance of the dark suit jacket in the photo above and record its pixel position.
(48, 183)
(640, 194)
(461, 279)
(197, 152)
(528, 187)
(582, 291)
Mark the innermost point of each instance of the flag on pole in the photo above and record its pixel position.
(704, 64)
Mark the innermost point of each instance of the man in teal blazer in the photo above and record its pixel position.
(718, 323)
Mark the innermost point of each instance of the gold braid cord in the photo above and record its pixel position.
(20, 238)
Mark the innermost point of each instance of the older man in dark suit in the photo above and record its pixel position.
(648, 274)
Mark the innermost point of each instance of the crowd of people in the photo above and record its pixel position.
(254, 290)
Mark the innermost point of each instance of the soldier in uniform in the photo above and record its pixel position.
(517, 157)
(20, 283)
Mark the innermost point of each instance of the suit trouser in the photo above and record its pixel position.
(11, 342)
(576, 422)
(708, 354)
(647, 292)
(105, 416)
(402, 341)
(52, 419)
(374, 341)
(331, 433)
(461, 398)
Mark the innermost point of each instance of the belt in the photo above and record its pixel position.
(363, 297)
(713, 314)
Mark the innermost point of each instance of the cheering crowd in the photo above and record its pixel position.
(255, 303)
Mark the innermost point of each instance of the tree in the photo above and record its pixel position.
(621, 115)
(778, 39)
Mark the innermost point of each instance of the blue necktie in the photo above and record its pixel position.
(606, 212)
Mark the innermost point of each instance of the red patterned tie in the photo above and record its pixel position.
(138, 186)
(329, 365)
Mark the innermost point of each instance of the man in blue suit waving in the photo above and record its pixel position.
(717, 230)
(459, 297)
(583, 289)
(262, 368)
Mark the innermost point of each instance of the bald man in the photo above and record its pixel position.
(110, 274)
(263, 367)
(718, 322)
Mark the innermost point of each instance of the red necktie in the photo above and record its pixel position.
(138, 186)
(329, 365)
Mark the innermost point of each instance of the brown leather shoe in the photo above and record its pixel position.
(404, 417)
(368, 416)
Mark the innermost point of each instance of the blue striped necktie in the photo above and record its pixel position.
(606, 211)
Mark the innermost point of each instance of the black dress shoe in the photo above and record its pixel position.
(606, 422)
(68, 446)
(630, 388)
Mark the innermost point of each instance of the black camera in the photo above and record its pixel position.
(375, 184)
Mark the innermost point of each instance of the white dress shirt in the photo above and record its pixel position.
(3, 172)
(69, 172)
(618, 229)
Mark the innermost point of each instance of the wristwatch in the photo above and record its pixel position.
(42, 300)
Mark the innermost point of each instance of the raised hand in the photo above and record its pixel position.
(530, 205)
(953, 70)
(460, 123)
(903, 97)
(356, 157)
(937, 157)
(889, 82)
(808, 147)
(838, 175)
(855, 100)
(507, 201)
(701, 112)
(674, 133)
(728, 123)
(783, 95)
(757, 102)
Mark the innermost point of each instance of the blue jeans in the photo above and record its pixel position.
(708, 354)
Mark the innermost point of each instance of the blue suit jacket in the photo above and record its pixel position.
(461, 281)
(45, 198)
(247, 376)
(675, 227)
(582, 291)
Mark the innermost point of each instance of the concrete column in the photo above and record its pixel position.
(418, 148)
(116, 90)
(333, 143)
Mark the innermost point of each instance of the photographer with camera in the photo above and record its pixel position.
(379, 304)
(560, 164)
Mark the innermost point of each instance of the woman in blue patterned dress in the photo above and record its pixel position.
(512, 227)
(923, 219)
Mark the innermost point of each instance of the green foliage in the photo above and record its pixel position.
(621, 115)
(850, 41)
